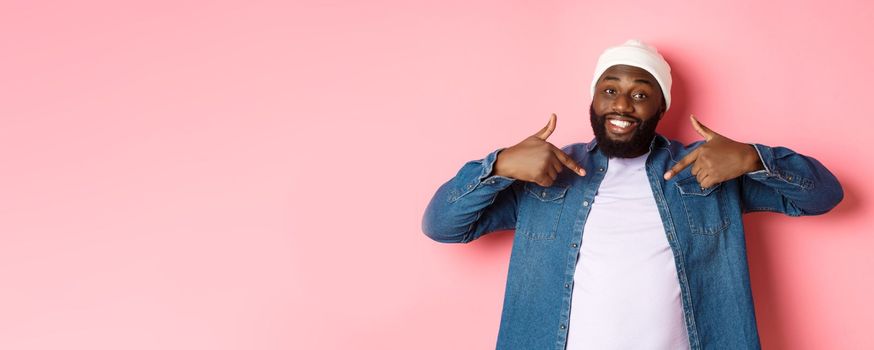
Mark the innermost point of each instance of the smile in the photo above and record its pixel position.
(620, 123)
(621, 126)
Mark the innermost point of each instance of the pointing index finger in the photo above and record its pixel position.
(568, 161)
(682, 164)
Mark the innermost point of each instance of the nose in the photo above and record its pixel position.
(622, 105)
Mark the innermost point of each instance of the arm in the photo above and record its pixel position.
(790, 183)
(771, 178)
(484, 194)
(471, 204)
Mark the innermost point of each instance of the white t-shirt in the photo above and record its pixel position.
(626, 293)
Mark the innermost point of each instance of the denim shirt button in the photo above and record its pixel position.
(585, 203)
(567, 285)
(562, 326)
(601, 169)
(573, 245)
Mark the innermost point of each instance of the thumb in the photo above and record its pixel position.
(548, 129)
(702, 130)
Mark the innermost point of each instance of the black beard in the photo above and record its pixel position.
(639, 143)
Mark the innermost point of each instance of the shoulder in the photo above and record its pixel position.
(576, 148)
(579, 151)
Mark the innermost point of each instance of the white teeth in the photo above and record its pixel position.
(620, 123)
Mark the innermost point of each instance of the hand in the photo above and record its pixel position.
(535, 160)
(718, 159)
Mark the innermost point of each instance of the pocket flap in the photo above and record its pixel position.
(690, 186)
(550, 193)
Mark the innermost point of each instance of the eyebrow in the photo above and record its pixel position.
(642, 81)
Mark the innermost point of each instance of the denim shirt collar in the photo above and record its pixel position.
(657, 141)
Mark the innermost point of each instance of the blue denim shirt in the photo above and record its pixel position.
(703, 227)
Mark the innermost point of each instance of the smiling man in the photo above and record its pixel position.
(641, 244)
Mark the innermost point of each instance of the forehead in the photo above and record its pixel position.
(625, 73)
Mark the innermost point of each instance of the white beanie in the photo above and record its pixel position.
(636, 53)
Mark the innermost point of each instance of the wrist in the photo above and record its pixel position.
(498, 167)
(754, 163)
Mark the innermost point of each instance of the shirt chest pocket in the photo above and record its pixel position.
(705, 207)
(540, 211)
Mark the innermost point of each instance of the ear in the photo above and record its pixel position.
(662, 109)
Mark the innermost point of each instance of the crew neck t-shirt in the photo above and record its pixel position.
(626, 294)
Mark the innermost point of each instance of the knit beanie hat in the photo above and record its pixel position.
(636, 53)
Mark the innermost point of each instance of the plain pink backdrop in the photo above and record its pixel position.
(252, 174)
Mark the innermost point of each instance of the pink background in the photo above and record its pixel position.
(252, 175)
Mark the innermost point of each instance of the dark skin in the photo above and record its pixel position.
(535, 160)
(628, 95)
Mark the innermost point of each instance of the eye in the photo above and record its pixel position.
(609, 91)
(639, 96)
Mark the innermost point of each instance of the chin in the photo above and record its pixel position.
(620, 139)
(625, 138)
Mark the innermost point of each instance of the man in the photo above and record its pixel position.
(640, 245)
